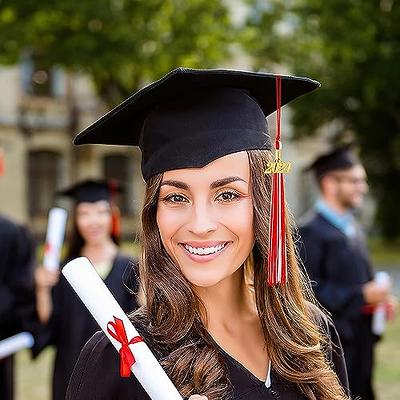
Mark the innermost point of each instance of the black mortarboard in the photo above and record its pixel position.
(190, 117)
(335, 160)
(91, 191)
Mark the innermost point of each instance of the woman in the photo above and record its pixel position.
(66, 323)
(211, 318)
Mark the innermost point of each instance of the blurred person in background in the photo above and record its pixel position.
(66, 323)
(335, 255)
(16, 290)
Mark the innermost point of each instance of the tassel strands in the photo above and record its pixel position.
(277, 258)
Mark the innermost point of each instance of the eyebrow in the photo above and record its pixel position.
(214, 185)
(226, 181)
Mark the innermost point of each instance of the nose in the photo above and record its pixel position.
(202, 219)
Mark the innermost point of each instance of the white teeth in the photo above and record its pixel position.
(204, 250)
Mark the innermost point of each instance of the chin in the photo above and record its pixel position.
(203, 279)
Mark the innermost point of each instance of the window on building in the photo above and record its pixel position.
(44, 174)
(38, 80)
(118, 167)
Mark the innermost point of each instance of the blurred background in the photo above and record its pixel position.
(63, 64)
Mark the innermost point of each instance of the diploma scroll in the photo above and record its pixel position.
(15, 343)
(379, 316)
(54, 238)
(102, 305)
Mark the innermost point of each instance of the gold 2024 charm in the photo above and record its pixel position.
(278, 166)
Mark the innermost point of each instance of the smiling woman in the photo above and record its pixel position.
(215, 320)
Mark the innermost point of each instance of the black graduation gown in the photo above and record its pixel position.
(71, 325)
(16, 291)
(340, 266)
(96, 374)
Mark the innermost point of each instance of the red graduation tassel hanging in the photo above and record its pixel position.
(277, 260)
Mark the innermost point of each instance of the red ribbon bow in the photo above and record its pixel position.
(127, 359)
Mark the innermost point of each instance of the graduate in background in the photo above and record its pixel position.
(16, 290)
(334, 252)
(66, 323)
(224, 316)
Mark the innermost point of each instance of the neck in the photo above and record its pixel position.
(100, 251)
(335, 205)
(227, 302)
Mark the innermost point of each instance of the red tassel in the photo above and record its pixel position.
(115, 213)
(2, 162)
(115, 221)
(277, 259)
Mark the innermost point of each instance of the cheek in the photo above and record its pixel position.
(239, 220)
(81, 223)
(169, 222)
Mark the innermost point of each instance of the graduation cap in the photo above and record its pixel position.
(337, 159)
(191, 117)
(92, 190)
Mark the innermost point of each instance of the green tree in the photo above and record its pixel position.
(121, 44)
(353, 48)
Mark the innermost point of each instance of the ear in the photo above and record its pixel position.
(326, 183)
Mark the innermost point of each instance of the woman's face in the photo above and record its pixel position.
(94, 221)
(205, 218)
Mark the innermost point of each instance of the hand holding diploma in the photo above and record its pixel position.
(119, 330)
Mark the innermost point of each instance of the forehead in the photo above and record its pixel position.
(356, 170)
(236, 164)
(86, 205)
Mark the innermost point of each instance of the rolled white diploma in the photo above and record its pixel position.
(54, 238)
(102, 305)
(379, 316)
(15, 343)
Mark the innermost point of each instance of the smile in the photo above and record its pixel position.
(204, 251)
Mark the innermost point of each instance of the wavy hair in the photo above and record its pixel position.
(175, 317)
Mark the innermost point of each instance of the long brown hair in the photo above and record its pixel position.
(174, 315)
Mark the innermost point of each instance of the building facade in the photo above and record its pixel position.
(40, 113)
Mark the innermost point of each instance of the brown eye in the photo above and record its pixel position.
(227, 196)
(176, 198)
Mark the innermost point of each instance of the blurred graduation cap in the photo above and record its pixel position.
(191, 117)
(336, 159)
(92, 190)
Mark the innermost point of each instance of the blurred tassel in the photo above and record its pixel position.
(115, 213)
(115, 221)
(277, 259)
(2, 163)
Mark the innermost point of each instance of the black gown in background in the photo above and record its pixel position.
(96, 374)
(71, 325)
(340, 266)
(17, 299)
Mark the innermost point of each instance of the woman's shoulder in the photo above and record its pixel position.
(125, 258)
(96, 374)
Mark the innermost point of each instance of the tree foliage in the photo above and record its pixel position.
(353, 48)
(121, 44)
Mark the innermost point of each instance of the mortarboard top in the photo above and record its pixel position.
(191, 117)
(91, 191)
(337, 159)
